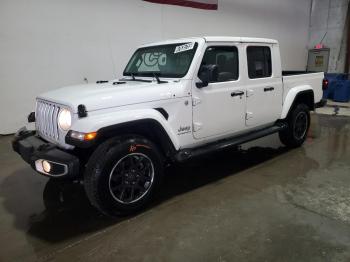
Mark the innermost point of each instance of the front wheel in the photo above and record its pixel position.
(298, 126)
(123, 174)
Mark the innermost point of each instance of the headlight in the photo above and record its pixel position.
(65, 119)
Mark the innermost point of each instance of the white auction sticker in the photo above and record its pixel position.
(183, 48)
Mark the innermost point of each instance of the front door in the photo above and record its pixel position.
(219, 108)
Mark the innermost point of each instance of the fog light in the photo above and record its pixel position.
(51, 168)
(46, 166)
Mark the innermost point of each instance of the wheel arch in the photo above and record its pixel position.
(148, 128)
(303, 94)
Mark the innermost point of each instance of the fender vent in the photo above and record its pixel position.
(163, 112)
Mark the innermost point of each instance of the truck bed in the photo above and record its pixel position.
(293, 79)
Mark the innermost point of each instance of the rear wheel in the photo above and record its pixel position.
(123, 174)
(298, 126)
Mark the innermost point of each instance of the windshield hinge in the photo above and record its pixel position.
(249, 92)
(248, 115)
(196, 101)
(197, 126)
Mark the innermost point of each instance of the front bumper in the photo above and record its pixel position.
(34, 150)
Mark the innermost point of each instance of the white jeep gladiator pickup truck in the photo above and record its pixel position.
(177, 100)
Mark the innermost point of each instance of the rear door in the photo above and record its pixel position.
(219, 108)
(264, 86)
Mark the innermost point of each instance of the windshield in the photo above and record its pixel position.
(165, 60)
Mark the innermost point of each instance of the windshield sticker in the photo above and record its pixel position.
(183, 48)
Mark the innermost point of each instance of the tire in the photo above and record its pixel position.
(298, 125)
(123, 174)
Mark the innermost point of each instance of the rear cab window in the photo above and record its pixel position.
(259, 62)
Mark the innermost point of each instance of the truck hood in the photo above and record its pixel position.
(107, 95)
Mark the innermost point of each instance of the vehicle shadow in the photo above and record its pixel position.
(67, 212)
(186, 177)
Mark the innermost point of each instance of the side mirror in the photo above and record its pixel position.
(207, 74)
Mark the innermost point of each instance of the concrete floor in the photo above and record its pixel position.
(335, 108)
(264, 203)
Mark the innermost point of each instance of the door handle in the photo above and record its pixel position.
(270, 88)
(237, 93)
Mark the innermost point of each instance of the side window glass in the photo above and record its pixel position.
(259, 61)
(226, 59)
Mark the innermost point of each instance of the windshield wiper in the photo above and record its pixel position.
(156, 76)
(135, 79)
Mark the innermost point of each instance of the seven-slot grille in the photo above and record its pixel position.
(46, 118)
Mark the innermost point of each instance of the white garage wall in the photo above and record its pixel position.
(45, 44)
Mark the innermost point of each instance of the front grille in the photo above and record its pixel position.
(46, 115)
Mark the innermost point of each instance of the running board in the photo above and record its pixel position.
(188, 153)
